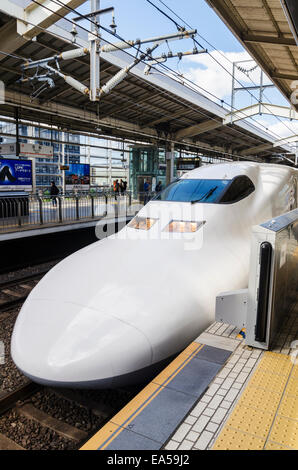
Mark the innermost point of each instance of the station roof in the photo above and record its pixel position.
(151, 108)
(264, 30)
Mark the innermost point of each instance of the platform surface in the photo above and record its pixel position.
(149, 419)
(253, 401)
(31, 231)
(217, 394)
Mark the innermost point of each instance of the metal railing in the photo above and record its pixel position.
(19, 212)
(33, 211)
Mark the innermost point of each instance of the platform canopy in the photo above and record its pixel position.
(267, 30)
(154, 108)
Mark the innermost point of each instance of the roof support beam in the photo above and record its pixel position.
(28, 22)
(286, 140)
(166, 118)
(69, 115)
(284, 76)
(232, 13)
(262, 108)
(126, 106)
(257, 149)
(38, 16)
(205, 126)
(281, 41)
(9, 39)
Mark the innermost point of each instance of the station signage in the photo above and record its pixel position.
(15, 174)
(188, 163)
(36, 150)
(7, 149)
(27, 150)
(77, 176)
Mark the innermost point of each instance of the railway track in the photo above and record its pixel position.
(34, 417)
(37, 417)
(14, 292)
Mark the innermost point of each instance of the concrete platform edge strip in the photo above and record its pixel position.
(148, 421)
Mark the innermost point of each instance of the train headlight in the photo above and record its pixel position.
(181, 226)
(142, 223)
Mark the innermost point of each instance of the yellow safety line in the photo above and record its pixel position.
(130, 413)
(266, 414)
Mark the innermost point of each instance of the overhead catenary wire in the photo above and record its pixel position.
(58, 2)
(160, 91)
(239, 68)
(180, 28)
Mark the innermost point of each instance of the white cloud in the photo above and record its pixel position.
(207, 71)
(209, 74)
(281, 128)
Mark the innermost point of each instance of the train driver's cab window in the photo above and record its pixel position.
(188, 190)
(207, 191)
(240, 187)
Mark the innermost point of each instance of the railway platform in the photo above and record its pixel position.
(218, 394)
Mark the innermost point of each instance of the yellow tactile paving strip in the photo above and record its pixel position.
(266, 415)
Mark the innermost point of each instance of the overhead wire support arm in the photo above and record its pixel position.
(121, 75)
(67, 55)
(95, 90)
(170, 55)
(70, 80)
(159, 39)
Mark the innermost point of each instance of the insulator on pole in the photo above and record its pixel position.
(118, 45)
(76, 84)
(114, 81)
(73, 54)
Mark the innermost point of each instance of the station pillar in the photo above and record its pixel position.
(170, 159)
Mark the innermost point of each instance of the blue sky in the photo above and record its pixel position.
(139, 19)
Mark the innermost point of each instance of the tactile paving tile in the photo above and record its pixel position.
(233, 439)
(294, 373)
(260, 398)
(275, 446)
(267, 380)
(276, 363)
(292, 387)
(289, 407)
(257, 415)
(255, 422)
(285, 432)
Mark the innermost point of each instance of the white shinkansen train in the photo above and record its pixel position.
(113, 312)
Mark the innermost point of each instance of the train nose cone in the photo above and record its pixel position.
(65, 344)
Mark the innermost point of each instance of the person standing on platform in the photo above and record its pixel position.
(158, 187)
(116, 189)
(146, 191)
(54, 191)
(122, 187)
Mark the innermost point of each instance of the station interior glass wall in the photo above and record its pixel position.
(109, 158)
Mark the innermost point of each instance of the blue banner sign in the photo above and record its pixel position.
(15, 174)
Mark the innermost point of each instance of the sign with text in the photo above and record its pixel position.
(15, 174)
(188, 163)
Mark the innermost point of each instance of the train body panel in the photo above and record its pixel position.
(128, 302)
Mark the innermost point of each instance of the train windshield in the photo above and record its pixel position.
(187, 190)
